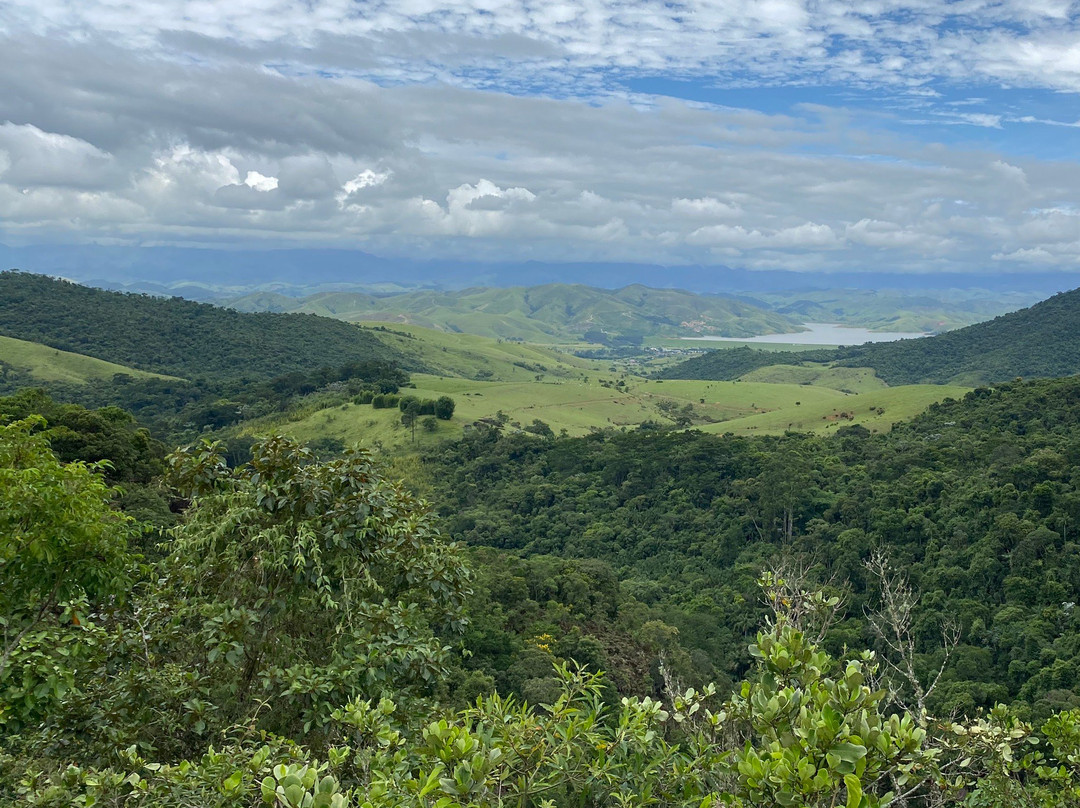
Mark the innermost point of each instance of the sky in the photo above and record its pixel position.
(915, 136)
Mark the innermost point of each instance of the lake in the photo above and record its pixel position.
(821, 334)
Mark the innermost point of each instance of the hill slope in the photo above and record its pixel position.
(44, 364)
(556, 312)
(1039, 341)
(471, 357)
(174, 336)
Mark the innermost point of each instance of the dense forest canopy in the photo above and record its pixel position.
(1040, 341)
(308, 620)
(175, 336)
(977, 499)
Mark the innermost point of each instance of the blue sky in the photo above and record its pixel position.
(808, 135)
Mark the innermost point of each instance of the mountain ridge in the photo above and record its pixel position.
(542, 313)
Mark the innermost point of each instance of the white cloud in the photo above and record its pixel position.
(258, 182)
(390, 126)
(902, 42)
(33, 157)
(707, 207)
(365, 179)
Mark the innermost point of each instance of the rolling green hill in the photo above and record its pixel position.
(583, 404)
(550, 313)
(47, 365)
(174, 336)
(1040, 341)
(727, 364)
(469, 356)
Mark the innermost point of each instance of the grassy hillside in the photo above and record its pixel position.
(876, 410)
(1040, 341)
(847, 380)
(581, 404)
(174, 336)
(726, 364)
(554, 312)
(46, 364)
(474, 357)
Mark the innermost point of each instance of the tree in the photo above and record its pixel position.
(63, 550)
(444, 408)
(306, 584)
(410, 413)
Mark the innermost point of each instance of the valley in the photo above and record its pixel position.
(596, 507)
(539, 405)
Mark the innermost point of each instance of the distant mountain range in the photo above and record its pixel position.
(553, 312)
(213, 271)
(890, 310)
(1040, 341)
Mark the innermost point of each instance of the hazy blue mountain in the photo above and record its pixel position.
(242, 269)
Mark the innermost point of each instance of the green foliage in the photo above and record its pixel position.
(291, 647)
(977, 501)
(385, 402)
(174, 336)
(75, 433)
(306, 584)
(728, 364)
(62, 552)
(802, 731)
(444, 408)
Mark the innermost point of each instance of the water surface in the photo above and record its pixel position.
(822, 334)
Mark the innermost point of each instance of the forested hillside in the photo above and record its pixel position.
(1040, 341)
(175, 336)
(977, 499)
(305, 635)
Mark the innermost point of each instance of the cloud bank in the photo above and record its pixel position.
(497, 129)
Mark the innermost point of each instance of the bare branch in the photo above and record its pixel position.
(892, 625)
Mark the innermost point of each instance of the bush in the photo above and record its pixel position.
(384, 401)
(444, 408)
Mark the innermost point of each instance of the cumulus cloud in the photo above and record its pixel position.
(906, 41)
(258, 182)
(34, 158)
(483, 129)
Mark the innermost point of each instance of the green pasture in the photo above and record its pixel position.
(52, 365)
(847, 380)
(877, 410)
(474, 357)
(579, 404)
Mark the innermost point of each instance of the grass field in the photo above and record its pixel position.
(578, 405)
(877, 410)
(847, 380)
(474, 357)
(51, 365)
